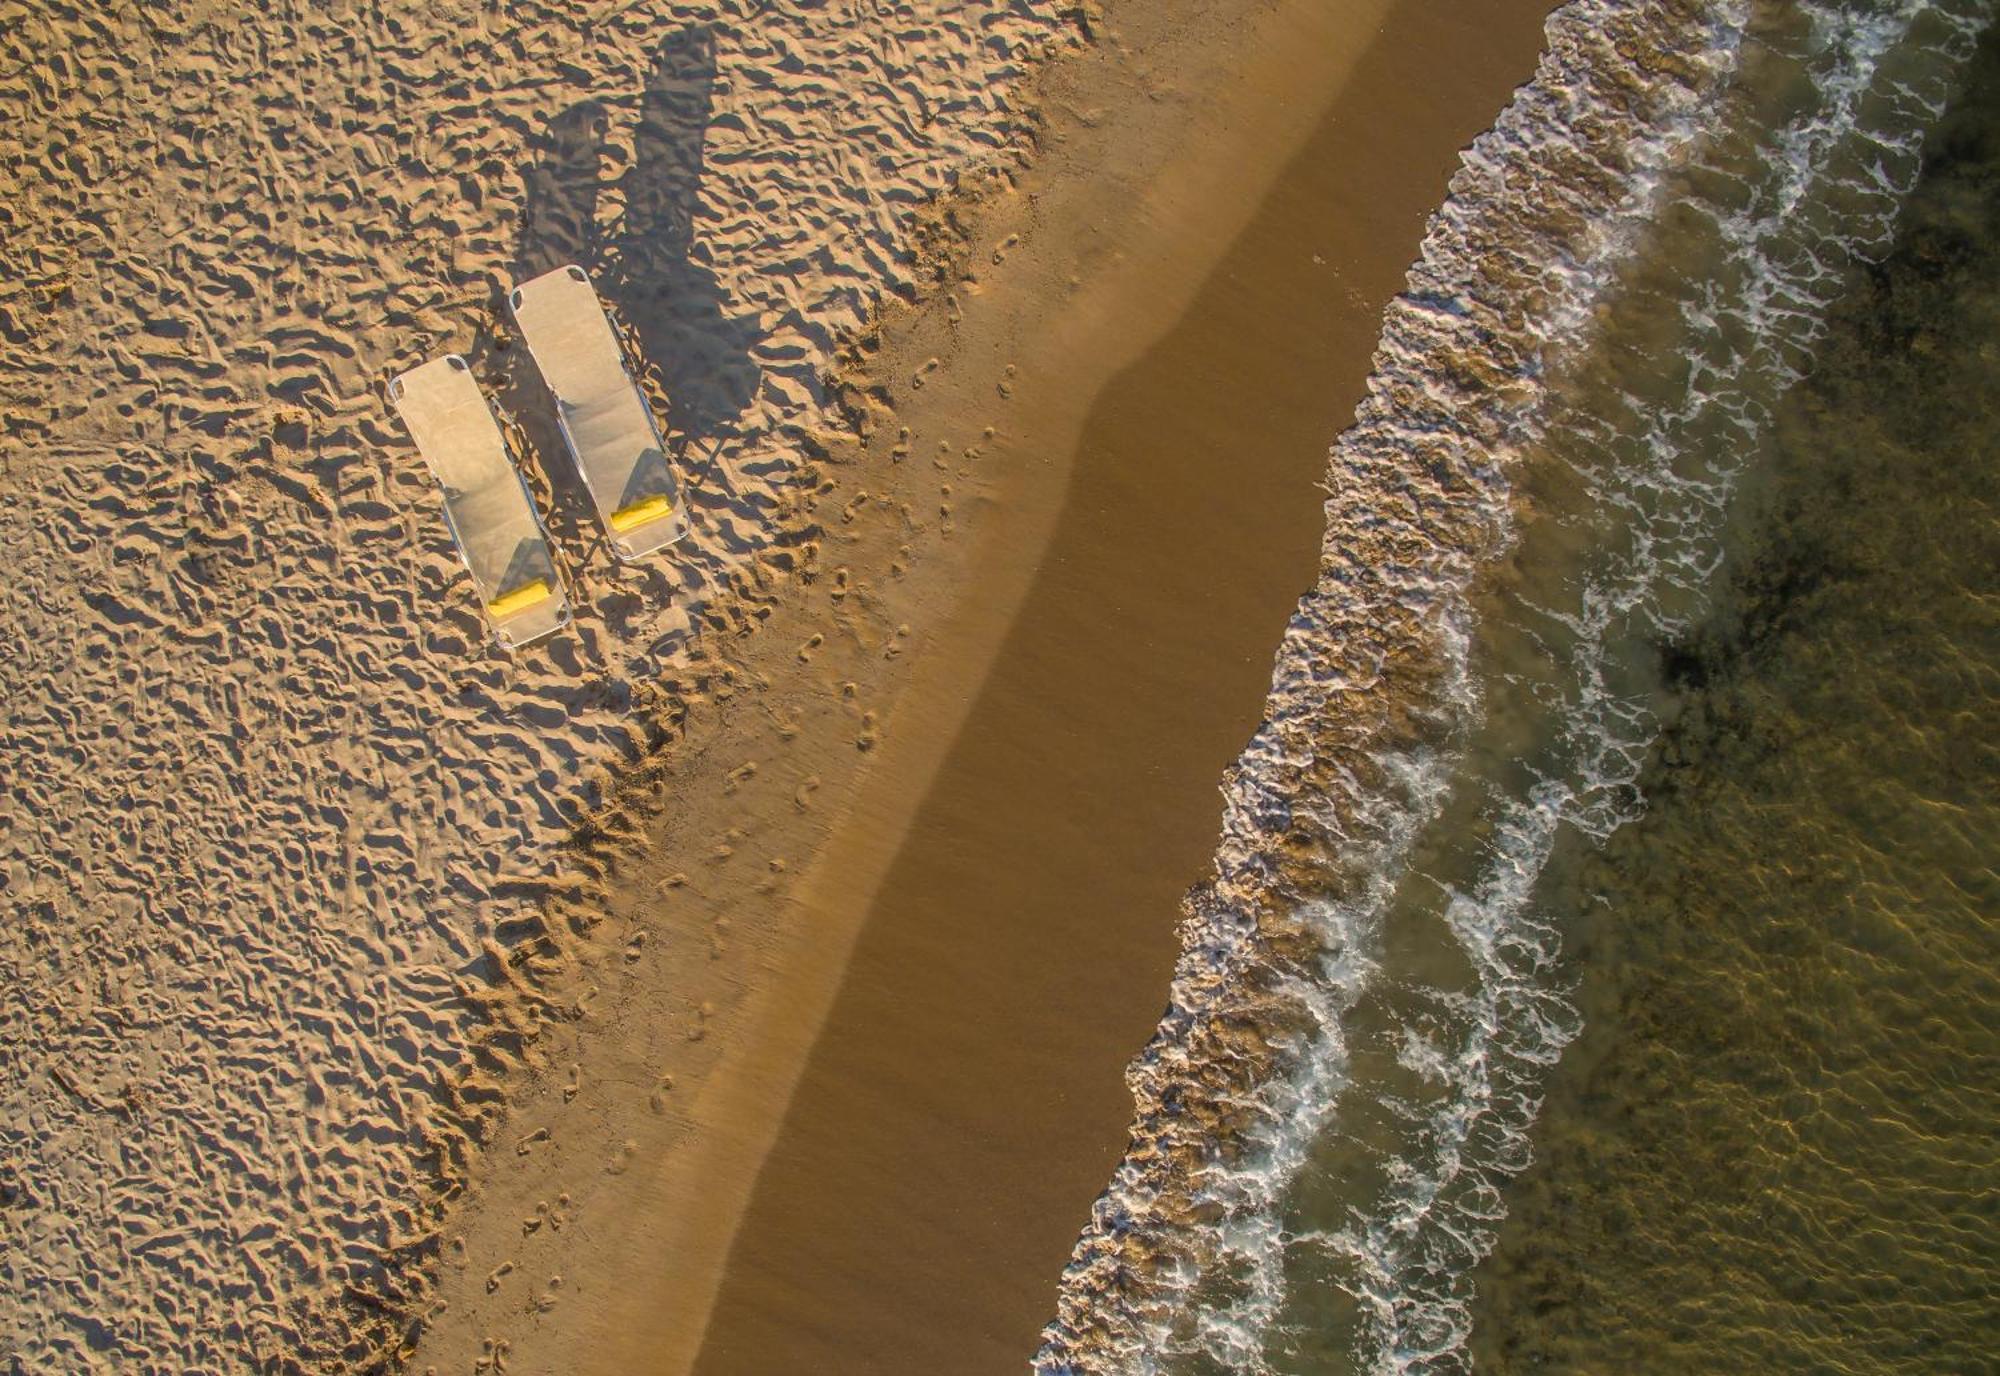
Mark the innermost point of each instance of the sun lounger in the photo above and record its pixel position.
(486, 502)
(604, 417)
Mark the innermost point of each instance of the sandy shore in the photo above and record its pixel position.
(964, 1102)
(868, 1043)
(365, 983)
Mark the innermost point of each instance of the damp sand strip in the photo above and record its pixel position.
(910, 1089)
(1016, 898)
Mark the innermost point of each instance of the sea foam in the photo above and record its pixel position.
(1723, 168)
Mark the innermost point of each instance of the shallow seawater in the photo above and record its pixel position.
(1773, 1148)
(1673, 724)
(1678, 417)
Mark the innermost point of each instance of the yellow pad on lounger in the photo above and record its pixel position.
(523, 597)
(640, 512)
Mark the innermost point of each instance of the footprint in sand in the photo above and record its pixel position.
(1005, 245)
(575, 1085)
(802, 796)
(547, 1299)
(658, 1100)
(621, 1159)
(526, 1144)
(869, 735)
(496, 1275)
(812, 644)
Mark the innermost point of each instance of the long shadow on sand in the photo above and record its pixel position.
(645, 263)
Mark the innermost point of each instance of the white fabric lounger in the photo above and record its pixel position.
(604, 417)
(486, 502)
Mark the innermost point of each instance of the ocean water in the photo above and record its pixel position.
(1774, 1146)
(1590, 376)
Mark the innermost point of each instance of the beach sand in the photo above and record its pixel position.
(283, 834)
(906, 1088)
(365, 984)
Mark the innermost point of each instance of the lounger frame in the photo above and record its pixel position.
(629, 539)
(510, 629)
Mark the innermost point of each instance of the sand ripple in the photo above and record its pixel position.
(278, 823)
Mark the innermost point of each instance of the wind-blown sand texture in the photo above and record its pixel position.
(277, 815)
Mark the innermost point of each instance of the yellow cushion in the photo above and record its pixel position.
(644, 510)
(519, 600)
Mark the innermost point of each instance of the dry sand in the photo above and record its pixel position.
(280, 832)
(1163, 324)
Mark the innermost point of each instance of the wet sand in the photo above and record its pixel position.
(963, 1103)
(632, 1143)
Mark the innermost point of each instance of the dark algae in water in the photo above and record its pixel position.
(1774, 1147)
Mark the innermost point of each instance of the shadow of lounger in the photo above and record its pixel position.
(486, 502)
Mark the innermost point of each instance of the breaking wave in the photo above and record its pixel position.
(1631, 267)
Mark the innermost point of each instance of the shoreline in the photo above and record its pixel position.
(698, 1058)
(964, 1104)
(766, 974)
